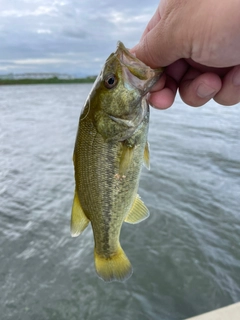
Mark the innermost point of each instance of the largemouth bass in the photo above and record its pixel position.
(111, 146)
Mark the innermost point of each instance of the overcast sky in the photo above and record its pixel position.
(67, 36)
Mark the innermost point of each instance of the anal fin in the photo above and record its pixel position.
(79, 221)
(138, 212)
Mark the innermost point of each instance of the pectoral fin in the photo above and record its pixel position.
(146, 156)
(126, 159)
(138, 212)
(78, 219)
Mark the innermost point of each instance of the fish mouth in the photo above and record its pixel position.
(135, 72)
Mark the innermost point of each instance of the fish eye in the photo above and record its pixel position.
(110, 81)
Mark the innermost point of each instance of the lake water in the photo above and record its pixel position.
(186, 255)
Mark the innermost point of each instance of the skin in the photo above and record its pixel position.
(199, 44)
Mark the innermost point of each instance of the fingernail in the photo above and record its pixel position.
(236, 77)
(204, 91)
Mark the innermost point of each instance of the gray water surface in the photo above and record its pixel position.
(186, 255)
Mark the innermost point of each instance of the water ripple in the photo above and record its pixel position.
(185, 256)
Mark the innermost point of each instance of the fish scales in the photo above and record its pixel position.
(106, 196)
(109, 150)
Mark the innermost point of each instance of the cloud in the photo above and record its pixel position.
(44, 31)
(37, 12)
(67, 35)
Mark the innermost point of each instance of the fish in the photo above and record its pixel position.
(111, 146)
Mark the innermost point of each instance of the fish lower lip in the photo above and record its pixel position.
(127, 123)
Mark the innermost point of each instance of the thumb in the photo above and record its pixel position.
(161, 45)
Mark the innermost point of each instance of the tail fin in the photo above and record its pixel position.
(114, 268)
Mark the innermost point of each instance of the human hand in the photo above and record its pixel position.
(199, 43)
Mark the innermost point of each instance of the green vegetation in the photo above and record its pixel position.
(53, 80)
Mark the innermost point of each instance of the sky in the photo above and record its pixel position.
(67, 36)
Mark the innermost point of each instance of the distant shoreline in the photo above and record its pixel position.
(53, 80)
